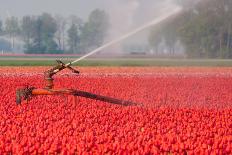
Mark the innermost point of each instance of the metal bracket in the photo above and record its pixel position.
(48, 75)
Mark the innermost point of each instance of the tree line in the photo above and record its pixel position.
(56, 35)
(204, 31)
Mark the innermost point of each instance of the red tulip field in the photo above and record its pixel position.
(182, 111)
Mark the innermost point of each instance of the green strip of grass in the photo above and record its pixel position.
(125, 62)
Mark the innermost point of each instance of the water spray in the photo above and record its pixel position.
(28, 92)
(154, 22)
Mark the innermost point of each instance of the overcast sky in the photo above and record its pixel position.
(80, 8)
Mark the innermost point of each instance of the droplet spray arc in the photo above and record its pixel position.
(117, 40)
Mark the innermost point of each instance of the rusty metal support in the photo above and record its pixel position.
(48, 75)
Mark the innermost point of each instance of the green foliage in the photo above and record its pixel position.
(94, 30)
(46, 34)
(155, 38)
(39, 34)
(74, 35)
(12, 27)
(74, 38)
(205, 30)
(60, 33)
(1, 29)
(27, 32)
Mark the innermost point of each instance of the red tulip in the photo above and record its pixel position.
(185, 110)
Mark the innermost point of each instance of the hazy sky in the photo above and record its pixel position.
(81, 8)
(64, 7)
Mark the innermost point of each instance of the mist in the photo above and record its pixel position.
(128, 15)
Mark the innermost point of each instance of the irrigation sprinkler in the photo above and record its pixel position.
(28, 92)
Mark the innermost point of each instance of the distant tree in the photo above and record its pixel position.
(227, 7)
(12, 29)
(155, 39)
(48, 30)
(74, 34)
(95, 30)
(1, 28)
(73, 19)
(204, 29)
(27, 31)
(167, 32)
(208, 33)
(60, 33)
(73, 38)
(44, 31)
(37, 43)
(170, 38)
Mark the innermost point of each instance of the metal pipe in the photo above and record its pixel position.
(82, 94)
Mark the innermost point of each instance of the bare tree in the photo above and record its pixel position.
(12, 29)
(60, 34)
